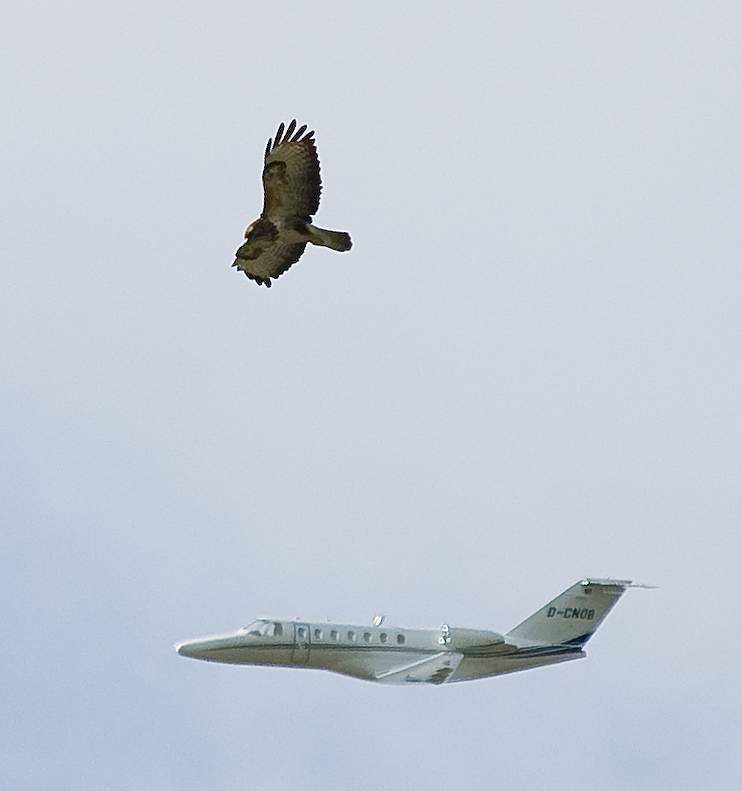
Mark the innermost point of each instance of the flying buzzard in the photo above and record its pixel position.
(292, 185)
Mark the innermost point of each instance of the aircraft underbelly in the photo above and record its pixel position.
(250, 655)
(366, 664)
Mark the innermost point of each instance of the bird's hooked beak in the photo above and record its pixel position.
(250, 229)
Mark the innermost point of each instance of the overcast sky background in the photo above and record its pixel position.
(526, 371)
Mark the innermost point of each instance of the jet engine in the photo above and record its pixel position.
(466, 639)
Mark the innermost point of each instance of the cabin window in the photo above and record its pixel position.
(352, 636)
(382, 637)
(277, 629)
(400, 639)
(367, 637)
(334, 635)
(317, 634)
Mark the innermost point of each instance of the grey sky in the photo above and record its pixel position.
(527, 370)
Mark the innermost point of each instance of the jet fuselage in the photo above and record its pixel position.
(395, 655)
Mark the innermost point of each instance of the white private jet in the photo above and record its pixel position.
(392, 655)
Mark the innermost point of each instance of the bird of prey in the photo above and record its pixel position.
(291, 186)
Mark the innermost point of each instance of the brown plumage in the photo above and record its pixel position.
(291, 186)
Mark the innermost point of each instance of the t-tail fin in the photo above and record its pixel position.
(572, 617)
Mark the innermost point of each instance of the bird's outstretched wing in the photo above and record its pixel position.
(271, 261)
(291, 181)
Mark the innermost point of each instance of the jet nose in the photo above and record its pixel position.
(188, 648)
(215, 647)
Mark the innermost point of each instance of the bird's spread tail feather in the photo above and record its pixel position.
(335, 240)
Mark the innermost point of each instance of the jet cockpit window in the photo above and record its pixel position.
(263, 628)
(254, 627)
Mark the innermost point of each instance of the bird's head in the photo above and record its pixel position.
(261, 229)
(258, 235)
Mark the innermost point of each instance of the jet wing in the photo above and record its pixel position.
(435, 669)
